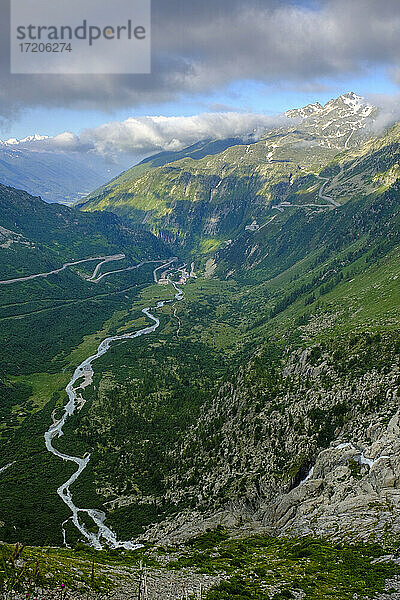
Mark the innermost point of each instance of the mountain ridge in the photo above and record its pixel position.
(203, 204)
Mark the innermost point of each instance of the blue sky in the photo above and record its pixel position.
(247, 96)
(241, 56)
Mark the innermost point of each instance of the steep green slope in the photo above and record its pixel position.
(202, 204)
(32, 232)
(208, 200)
(196, 151)
(327, 370)
(40, 238)
(314, 237)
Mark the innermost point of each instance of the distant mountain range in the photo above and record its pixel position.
(56, 176)
(68, 177)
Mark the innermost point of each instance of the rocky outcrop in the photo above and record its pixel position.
(353, 490)
(310, 446)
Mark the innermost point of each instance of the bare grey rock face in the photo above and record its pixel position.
(340, 123)
(354, 490)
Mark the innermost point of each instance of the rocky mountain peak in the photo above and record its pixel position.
(351, 103)
(26, 140)
(341, 122)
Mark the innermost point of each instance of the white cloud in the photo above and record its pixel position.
(65, 141)
(151, 134)
(140, 136)
(389, 112)
(137, 137)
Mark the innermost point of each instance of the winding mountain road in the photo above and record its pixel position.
(7, 466)
(93, 278)
(334, 204)
(346, 144)
(103, 262)
(143, 262)
(103, 259)
(173, 259)
(321, 189)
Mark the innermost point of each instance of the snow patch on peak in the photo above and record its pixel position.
(34, 138)
(352, 102)
(356, 103)
(348, 104)
(305, 111)
(337, 123)
(26, 140)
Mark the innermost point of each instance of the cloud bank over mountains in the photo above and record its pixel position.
(138, 137)
(142, 136)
